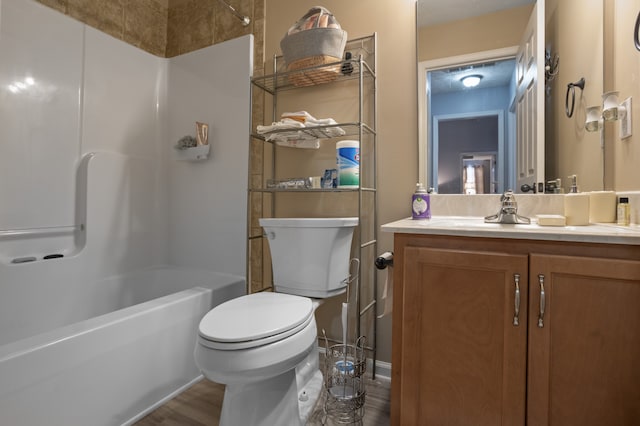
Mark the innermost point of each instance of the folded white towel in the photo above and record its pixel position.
(330, 132)
(280, 125)
(307, 119)
(300, 130)
(301, 116)
(301, 143)
(322, 122)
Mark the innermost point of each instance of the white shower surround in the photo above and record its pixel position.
(94, 145)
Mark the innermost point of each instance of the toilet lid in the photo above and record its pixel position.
(254, 320)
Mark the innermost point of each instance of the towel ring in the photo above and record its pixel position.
(636, 39)
(571, 87)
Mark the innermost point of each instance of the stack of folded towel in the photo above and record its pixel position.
(300, 130)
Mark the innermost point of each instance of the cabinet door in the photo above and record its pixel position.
(584, 356)
(463, 359)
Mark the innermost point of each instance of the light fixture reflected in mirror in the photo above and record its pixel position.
(471, 80)
(612, 110)
(594, 119)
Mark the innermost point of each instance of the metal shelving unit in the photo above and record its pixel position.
(360, 81)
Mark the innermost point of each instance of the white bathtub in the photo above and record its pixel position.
(114, 368)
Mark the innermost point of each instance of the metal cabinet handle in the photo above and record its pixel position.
(542, 301)
(516, 279)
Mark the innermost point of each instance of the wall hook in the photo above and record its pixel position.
(571, 87)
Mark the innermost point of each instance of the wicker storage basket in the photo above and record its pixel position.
(319, 75)
(313, 48)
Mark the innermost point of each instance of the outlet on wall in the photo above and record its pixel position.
(625, 123)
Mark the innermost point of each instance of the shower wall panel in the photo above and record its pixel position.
(40, 86)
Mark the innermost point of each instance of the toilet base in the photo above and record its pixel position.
(287, 399)
(308, 396)
(273, 402)
(269, 402)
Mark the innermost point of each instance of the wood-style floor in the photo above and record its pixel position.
(200, 405)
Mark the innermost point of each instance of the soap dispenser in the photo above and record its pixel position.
(576, 205)
(420, 203)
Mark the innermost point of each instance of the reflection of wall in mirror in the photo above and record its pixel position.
(622, 164)
(574, 30)
(488, 32)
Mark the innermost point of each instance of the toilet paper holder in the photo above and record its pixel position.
(384, 260)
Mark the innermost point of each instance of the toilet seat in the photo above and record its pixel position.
(255, 320)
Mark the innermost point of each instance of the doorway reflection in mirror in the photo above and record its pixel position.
(471, 120)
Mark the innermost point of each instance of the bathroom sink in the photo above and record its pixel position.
(458, 222)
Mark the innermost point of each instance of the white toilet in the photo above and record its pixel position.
(263, 346)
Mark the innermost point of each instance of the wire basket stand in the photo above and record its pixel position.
(344, 382)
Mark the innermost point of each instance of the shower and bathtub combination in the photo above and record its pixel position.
(113, 368)
(112, 248)
(95, 337)
(90, 337)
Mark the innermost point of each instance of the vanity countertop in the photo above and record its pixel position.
(471, 226)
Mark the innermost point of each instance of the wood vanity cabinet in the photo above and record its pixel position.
(475, 344)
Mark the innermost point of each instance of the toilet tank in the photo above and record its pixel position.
(310, 256)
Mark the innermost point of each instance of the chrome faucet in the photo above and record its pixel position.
(508, 212)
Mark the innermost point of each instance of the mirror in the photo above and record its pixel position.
(462, 37)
